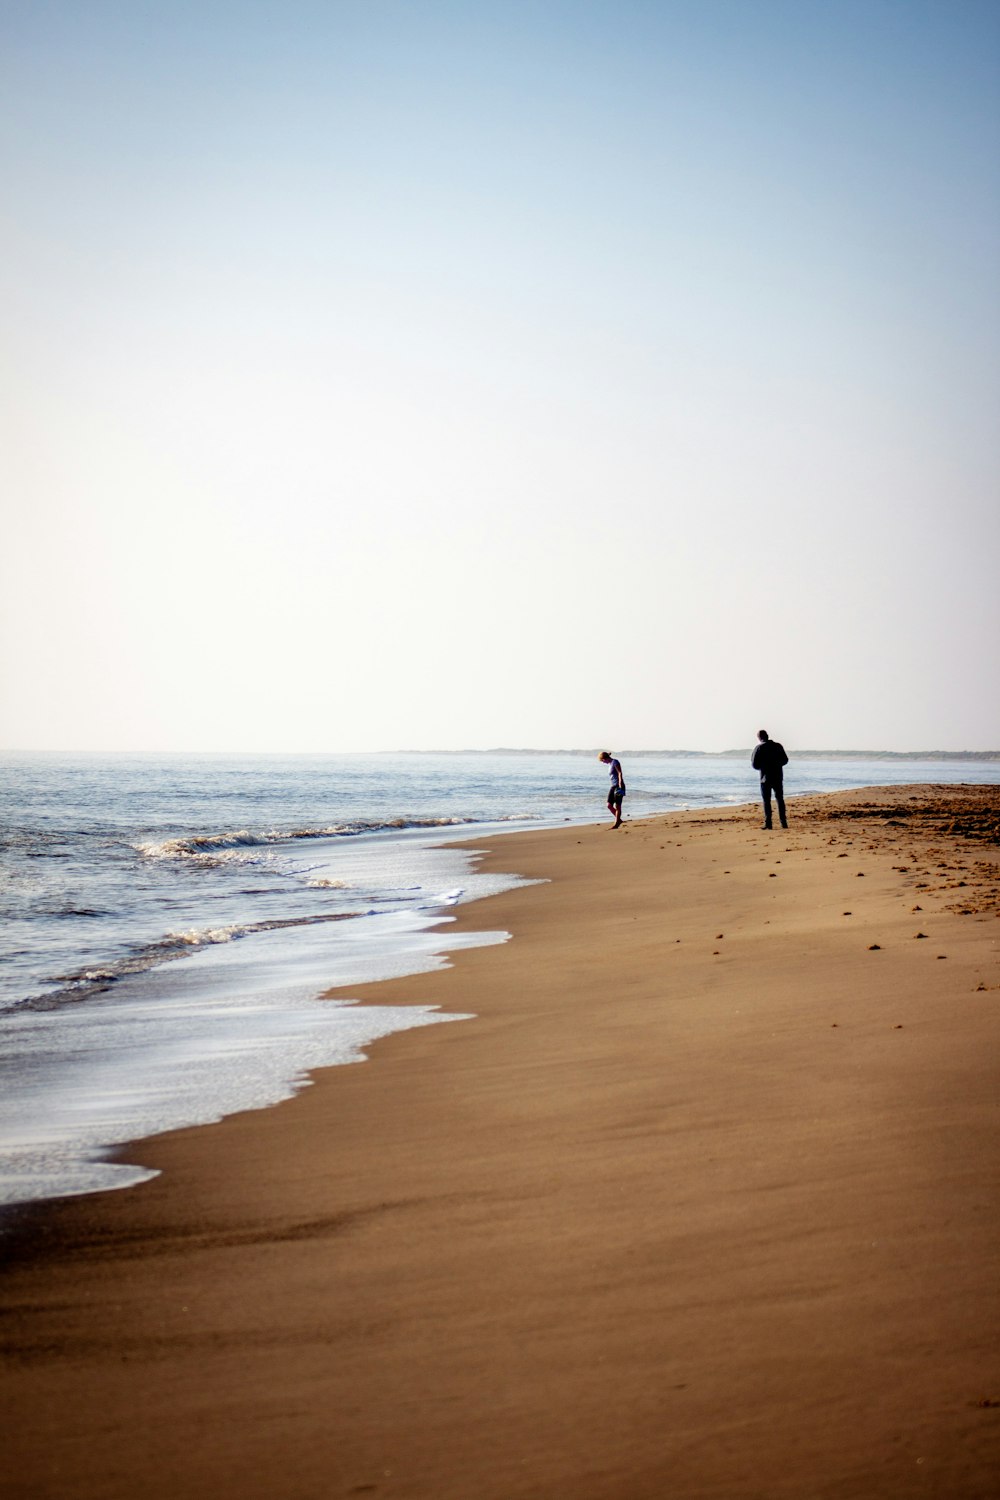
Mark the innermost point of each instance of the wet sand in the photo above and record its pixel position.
(703, 1203)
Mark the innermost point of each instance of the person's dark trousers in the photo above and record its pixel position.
(773, 784)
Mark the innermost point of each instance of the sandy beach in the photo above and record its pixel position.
(702, 1203)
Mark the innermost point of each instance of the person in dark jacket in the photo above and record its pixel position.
(769, 759)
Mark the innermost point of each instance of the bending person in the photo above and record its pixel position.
(616, 792)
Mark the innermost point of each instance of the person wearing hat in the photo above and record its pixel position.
(616, 792)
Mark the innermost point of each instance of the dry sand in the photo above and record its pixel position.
(703, 1203)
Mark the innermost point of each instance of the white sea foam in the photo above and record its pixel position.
(173, 1064)
(195, 939)
(75, 988)
(208, 1020)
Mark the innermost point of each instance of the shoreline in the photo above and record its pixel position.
(702, 1202)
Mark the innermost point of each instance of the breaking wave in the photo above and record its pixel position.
(214, 847)
(74, 988)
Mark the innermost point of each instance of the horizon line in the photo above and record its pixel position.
(518, 750)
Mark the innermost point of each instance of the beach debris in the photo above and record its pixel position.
(874, 947)
(919, 934)
(942, 955)
(916, 908)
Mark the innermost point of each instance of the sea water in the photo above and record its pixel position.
(169, 924)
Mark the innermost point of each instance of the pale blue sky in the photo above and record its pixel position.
(441, 375)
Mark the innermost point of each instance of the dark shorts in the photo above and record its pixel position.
(615, 796)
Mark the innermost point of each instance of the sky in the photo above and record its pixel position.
(385, 375)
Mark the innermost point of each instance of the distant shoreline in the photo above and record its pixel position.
(954, 756)
(919, 755)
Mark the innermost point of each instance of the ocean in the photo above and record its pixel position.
(169, 923)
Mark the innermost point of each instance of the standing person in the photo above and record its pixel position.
(616, 792)
(769, 759)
